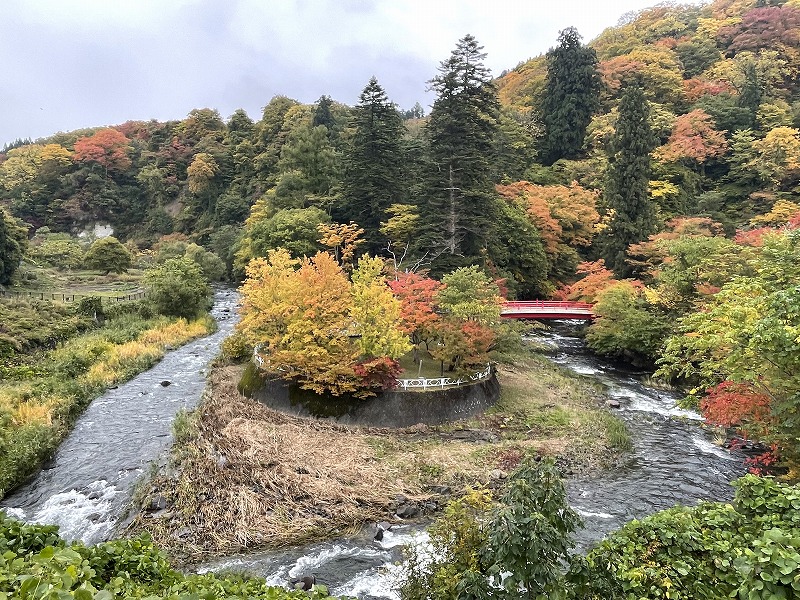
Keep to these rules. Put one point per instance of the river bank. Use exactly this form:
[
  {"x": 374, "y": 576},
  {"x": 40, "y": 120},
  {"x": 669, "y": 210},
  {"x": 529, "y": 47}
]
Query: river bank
[
  {"x": 43, "y": 393},
  {"x": 86, "y": 484},
  {"x": 245, "y": 477}
]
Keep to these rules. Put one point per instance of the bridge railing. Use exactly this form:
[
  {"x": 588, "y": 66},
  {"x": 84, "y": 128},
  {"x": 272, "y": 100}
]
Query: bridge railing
[{"x": 546, "y": 304}]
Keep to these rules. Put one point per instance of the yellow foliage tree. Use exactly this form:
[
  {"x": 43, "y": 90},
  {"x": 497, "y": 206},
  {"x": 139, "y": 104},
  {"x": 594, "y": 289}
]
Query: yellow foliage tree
[
  {"x": 312, "y": 325},
  {"x": 200, "y": 173}
]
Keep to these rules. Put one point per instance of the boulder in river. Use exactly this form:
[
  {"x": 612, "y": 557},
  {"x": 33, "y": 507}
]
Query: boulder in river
[
  {"x": 166, "y": 382},
  {"x": 612, "y": 403},
  {"x": 407, "y": 511}
]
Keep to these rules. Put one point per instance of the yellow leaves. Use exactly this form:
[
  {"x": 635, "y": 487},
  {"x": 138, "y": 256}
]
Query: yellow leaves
[
  {"x": 343, "y": 240},
  {"x": 56, "y": 154},
  {"x": 200, "y": 173},
  {"x": 25, "y": 164},
  {"x": 782, "y": 211},
  {"x": 661, "y": 191},
  {"x": 402, "y": 224},
  {"x": 376, "y": 312},
  {"x": 312, "y": 324},
  {"x": 779, "y": 152}
]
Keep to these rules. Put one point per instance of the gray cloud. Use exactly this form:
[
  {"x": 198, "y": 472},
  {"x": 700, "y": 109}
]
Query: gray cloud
[{"x": 69, "y": 64}]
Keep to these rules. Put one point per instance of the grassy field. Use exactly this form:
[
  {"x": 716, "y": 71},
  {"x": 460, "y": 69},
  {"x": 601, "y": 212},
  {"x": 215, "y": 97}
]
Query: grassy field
[
  {"x": 31, "y": 278},
  {"x": 430, "y": 367}
]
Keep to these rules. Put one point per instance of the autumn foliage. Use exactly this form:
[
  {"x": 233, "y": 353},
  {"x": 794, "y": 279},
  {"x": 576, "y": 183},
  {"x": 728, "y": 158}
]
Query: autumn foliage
[
  {"x": 596, "y": 278},
  {"x": 417, "y": 295},
  {"x": 107, "y": 147},
  {"x": 737, "y": 404},
  {"x": 309, "y": 323},
  {"x": 694, "y": 138}
]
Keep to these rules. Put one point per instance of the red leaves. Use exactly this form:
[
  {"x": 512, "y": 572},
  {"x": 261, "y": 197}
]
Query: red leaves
[
  {"x": 107, "y": 147},
  {"x": 694, "y": 138},
  {"x": 417, "y": 295},
  {"x": 736, "y": 404},
  {"x": 596, "y": 278},
  {"x": 380, "y": 373},
  {"x": 763, "y": 27}
]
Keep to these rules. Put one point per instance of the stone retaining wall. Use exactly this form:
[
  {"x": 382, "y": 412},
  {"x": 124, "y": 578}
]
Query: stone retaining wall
[{"x": 396, "y": 408}]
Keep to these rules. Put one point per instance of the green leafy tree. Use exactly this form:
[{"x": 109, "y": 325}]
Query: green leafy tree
[
  {"x": 530, "y": 533},
  {"x": 626, "y": 325},
  {"x": 295, "y": 229},
  {"x": 469, "y": 295},
  {"x": 177, "y": 288},
  {"x": 571, "y": 96},
  {"x": 309, "y": 169},
  {"x": 108, "y": 254},
  {"x": 517, "y": 253},
  {"x": 322, "y": 114},
  {"x": 746, "y": 549},
  {"x": 55, "y": 249},
  {"x": 13, "y": 241},
  {"x": 512, "y": 551},
  {"x": 626, "y": 191},
  {"x": 747, "y": 334},
  {"x": 462, "y": 128},
  {"x": 373, "y": 177}
]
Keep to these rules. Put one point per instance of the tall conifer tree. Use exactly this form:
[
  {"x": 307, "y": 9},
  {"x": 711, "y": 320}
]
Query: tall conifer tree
[
  {"x": 627, "y": 180},
  {"x": 461, "y": 129},
  {"x": 571, "y": 96},
  {"x": 373, "y": 177}
]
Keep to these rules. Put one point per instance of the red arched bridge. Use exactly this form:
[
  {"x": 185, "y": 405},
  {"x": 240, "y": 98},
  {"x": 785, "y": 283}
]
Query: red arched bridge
[{"x": 546, "y": 309}]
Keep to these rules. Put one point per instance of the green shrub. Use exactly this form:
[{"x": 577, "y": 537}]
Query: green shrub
[
  {"x": 520, "y": 544},
  {"x": 748, "y": 550},
  {"x": 177, "y": 288},
  {"x": 36, "y": 563}
]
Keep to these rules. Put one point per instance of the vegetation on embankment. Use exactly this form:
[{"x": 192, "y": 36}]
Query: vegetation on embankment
[
  {"x": 56, "y": 359},
  {"x": 245, "y": 476},
  {"x": 488, "y": 546},
  {"x": 36, "y": 563}
]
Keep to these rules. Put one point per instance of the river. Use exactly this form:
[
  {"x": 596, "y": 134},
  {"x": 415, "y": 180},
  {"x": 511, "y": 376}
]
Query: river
[{"x": 88, "y": 484}]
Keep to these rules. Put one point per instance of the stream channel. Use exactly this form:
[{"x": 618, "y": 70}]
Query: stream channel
[{"x": 86, "y": 487}]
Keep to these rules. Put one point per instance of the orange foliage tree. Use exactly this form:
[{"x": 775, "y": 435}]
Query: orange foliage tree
[
  {"x": 693, "y": 138},
  {"x": 108, "y": 147},
  {"x": 596, "y": 278},
  {"x": 564, "y": 215},
  {"x": 417, "y": 295}
]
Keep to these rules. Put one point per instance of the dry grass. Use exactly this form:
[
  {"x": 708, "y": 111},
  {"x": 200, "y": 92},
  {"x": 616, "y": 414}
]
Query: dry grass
[
  {"x": 250, "y": 477},
  {"x": 282, "y": 480}
]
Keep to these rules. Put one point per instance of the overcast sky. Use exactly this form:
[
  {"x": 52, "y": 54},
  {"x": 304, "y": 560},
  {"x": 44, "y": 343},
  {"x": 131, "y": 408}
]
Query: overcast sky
[{"x": 68, "y": 64}]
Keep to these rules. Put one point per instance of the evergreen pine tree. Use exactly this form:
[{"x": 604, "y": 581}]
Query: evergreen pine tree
[
  {"x": 627, "y": 181},
  {"x": 373, "y": 177},
  {"x": 322, "y": 113},
  {"x": 571, "y": 96},
  {"x": 462, "y": 128},
  {"x": 13, "y": 241}
]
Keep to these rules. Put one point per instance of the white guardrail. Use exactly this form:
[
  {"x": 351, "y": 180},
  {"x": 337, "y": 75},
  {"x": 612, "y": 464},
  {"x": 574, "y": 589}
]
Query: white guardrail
[
  {"x": 420, "y": 383},
  {"x": 443, "y": 382}
]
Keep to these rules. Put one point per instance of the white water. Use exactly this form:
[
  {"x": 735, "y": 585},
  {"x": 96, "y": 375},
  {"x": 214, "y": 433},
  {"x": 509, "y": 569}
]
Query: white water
[
  {"x": 86, "y": 486},
  {"x": 89, "y": 482}
]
